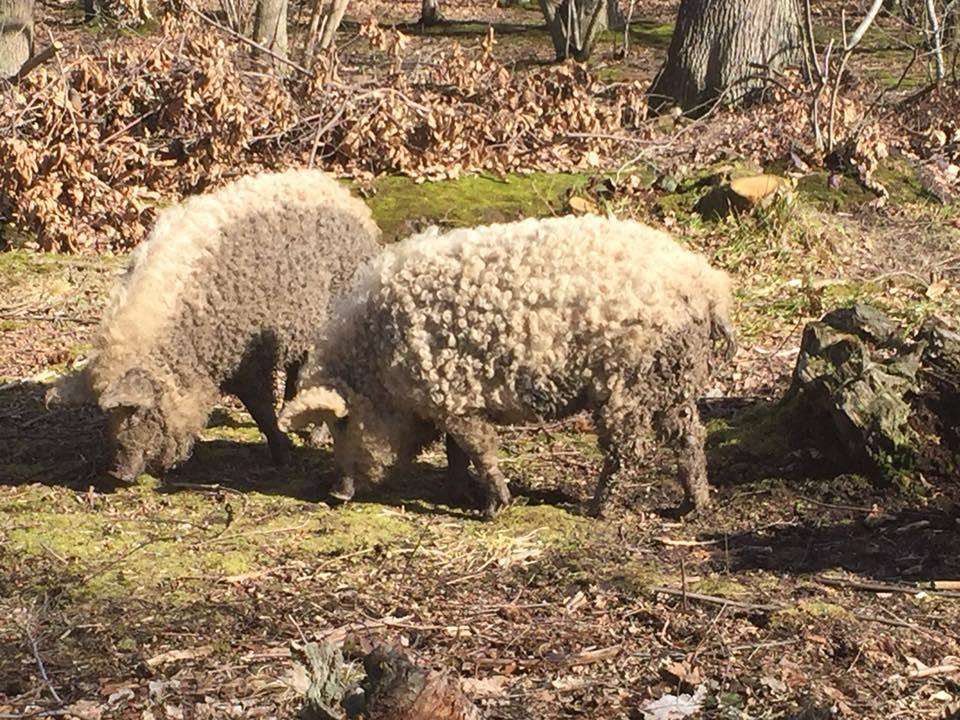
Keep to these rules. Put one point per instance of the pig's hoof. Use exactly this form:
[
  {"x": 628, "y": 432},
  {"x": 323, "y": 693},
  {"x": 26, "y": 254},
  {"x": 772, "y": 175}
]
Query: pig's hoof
[
  {"x": 495, "y": 502},
  {"x": 598, "y": 510},
  {"x": 342, "y": 492},
  {"x": 692, "y": 508},
  {"x": 280, "y": 450}
]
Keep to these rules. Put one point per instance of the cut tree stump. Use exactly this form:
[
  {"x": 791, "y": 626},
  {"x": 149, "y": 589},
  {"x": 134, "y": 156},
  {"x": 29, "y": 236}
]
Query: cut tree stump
[
  {"x": 742, "y": 195},
  {"x": 397, "y": 689},
  {"x": 390, "y": 686}
]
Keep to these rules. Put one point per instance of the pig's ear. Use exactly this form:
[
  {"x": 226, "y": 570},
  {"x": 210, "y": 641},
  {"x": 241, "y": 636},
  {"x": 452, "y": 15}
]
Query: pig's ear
[
  {"x": 135, "y": 389},
  {"x": 72, "y": 389},
  {"x": 319, "y": 403}
]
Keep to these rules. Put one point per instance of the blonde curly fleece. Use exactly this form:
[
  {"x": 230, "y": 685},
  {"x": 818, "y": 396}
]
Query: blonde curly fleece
[
  {"x": 515, "y": 323},
  {"x": 229, "y": 286}
]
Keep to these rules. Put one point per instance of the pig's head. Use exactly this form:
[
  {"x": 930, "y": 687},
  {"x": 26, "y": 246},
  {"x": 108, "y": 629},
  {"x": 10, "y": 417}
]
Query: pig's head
[
  {"x": 369, "y": 439},
  {"x": 139, "y": 434}
]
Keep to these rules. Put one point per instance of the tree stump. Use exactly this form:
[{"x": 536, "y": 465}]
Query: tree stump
[
  {"x": 397, "y": 689},
  {"x": 872, "y": 400},
  {"x": 394, "y": 686}
]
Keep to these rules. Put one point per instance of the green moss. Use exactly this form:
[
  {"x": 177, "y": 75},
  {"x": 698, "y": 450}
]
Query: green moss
[
  {"x": 10, "y": 325},
  {"x": 248, "y": 433},
  {"x": 16, "y": 263},
  {"x": 358, "y": 526},
  {"x": 469, "y": 200},
  {"x": 721, "y": 586},
  {"x": 641, "y": 575},
  {"x": 540, "y": 525},
  {"x": 895, "y": 174},
  {"x": 649, "y": 33},
  {"x": 808, "y": 611},
  {"x": 760, "y": 431}
]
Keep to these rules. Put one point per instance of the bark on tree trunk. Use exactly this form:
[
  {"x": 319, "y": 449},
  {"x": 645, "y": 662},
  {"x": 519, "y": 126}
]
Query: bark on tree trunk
[
  {"x": 615, "y": 17},
  {"x": 270, "y": 25},
  {"x": 716, "y": 45},
  {"x": 324, "y": 22},
  {"x": 575, "y": 25},
  {"x": 16, "y": 35},
  {"x": 331, "y": 23},
  {"x": 430, "y": 12}
]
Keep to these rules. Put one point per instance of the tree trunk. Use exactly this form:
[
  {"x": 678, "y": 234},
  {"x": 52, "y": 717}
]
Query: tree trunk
[
  {"x": 270, "y": 25},
  {"x": 716, "y": 47},
  {"x": 16, "y": 35},
  {"x": 615, "y": 17},
  {"x": 430, "y": 12},
  {"x": 331, "y": 23},
  {"x": 575, "y": 25}
]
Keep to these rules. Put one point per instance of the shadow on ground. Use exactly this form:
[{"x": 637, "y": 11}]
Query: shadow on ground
[
  {"x": 901, "y": 547},
  {"x": 65, "y": 447}
]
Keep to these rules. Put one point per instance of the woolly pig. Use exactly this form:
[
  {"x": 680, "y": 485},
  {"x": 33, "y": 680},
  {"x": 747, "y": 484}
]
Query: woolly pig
[
  {"x": 514, "y": 323},
  {"x": 228, "y": 287}
]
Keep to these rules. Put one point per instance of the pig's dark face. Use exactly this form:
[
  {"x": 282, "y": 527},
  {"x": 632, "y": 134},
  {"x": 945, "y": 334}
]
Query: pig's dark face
[
  {"x": 138, "y": 434},
  {"x": 140, "y": 443}
]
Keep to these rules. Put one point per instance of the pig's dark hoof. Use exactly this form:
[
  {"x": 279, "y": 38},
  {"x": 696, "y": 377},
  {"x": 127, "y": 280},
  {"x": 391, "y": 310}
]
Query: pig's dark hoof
[
  {"x": 692, "y": 508},
  {"x": 280, "y": 450},
  {"x": 342, "y": 492},
  {"x": 494, "y": 503},
  {"x": 598, "y": 509}
]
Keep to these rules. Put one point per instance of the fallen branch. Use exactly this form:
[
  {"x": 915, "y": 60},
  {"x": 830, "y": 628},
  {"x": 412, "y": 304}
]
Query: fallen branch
[
  {"x": 41, "y": 57},
  {"x": 35, "y": 651},
  {"x": 832, "y": 506},
  {"x": 946, "y": 669},
  {"x": 686, "y": 543},
  {"x": 715, "y": 600},
  {"x": 588, "y": 657},
  {"x": 944, "y": 584},
  {"x": 879, "y": 587}
]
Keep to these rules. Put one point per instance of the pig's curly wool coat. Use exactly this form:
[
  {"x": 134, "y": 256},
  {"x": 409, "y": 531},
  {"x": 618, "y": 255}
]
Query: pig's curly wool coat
[
  {"x": 512, "y": 323},
  {"x": 228, "y": 287}
]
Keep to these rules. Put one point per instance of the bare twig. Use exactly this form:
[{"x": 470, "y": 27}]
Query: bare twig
[
  {"x": 936, "y": 40},
  {"x": 849, "y": 45},
  {"x": 864, "y": 26},
  {"x": 810, "y": 43},
  {"x": 880, "y": 587},
  {"x": 945, "y": 669},
  {"x": 832, "y": 506},
  {"x": 626, "y": 28},
  {"x": 683, "y": 582},
  {"x": 35, "y": 651}
]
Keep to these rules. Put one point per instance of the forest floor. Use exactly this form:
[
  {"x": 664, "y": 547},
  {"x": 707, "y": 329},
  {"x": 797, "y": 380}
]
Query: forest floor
[{"x": 797, "y": 595}]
